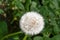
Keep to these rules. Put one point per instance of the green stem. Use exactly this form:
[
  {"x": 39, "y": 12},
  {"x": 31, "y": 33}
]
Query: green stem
[
  {"x": 25, "y": 37},
  {"x": 11, "y": 35}
]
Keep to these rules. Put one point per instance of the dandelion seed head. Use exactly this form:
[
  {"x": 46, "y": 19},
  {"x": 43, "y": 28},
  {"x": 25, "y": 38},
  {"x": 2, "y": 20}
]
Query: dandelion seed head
[{"x": 32, "y": 23}]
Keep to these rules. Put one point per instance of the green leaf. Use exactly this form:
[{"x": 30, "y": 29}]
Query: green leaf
[
  {"x": 28, "y": 2},
  {"x": 3, "y": 29},
  {"x": 18, "y": 13},
  {"x": 29, "y": 38},
  {"x": 1, "y": 11},
  {"x": 23, "y": 1},
  {"x": 38, "y": 38},
  {"x": 33, "y": 6},
  {"x": 55, "y": 27},
  {"x": 54, "y": 4},
  {"x": 46, "y": 32},
  {"x": 51, "y": 3},
  {"x": 0, "y": 2},
  {"x": 46, "y": 38},
  {"x": 57, "y": 37},
  {"x": 18, "y": 4},
  {"x": 45, "y": 2}
]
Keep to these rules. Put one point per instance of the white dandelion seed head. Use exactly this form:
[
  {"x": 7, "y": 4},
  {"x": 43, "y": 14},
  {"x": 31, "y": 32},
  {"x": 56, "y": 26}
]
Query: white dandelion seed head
[{"x": 32, "y": 23}]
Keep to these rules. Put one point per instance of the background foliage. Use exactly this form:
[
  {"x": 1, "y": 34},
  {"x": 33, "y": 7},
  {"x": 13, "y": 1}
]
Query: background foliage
[{"x": 12, "y": 10}]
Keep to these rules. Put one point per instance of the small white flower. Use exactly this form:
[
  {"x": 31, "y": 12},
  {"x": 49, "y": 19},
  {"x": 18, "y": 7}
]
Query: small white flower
[{"x": 32, "y": 23}]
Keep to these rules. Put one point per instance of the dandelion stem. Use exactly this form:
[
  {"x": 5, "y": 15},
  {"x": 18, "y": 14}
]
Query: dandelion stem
[{"x": 25, "y": 37}]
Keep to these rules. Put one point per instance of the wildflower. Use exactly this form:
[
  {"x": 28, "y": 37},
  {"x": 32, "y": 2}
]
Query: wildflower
[{"x": 32, "y": 23}]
